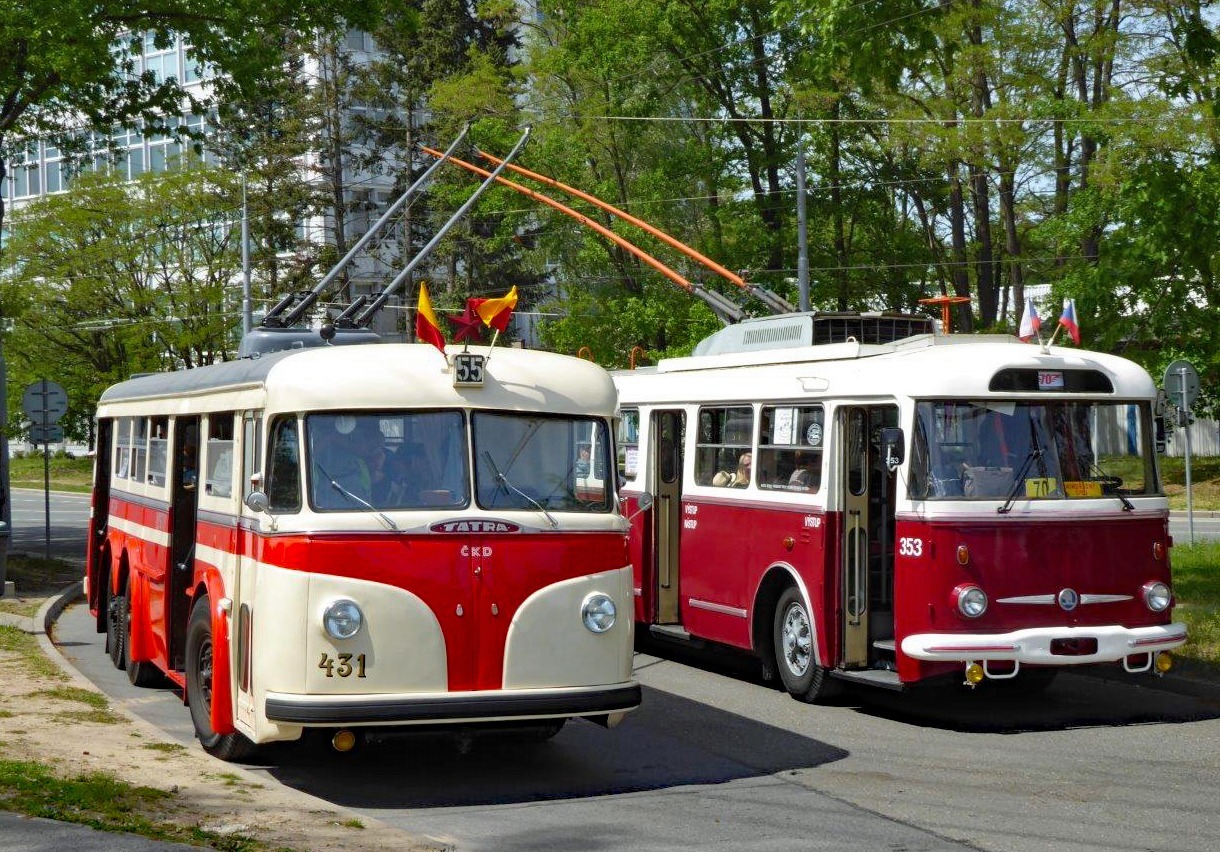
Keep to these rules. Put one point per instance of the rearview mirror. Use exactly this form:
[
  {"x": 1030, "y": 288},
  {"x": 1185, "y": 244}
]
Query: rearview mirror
[{"x": 893, "y": 446}]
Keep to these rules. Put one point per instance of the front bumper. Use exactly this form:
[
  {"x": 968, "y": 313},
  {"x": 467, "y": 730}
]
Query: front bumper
[
  {"x": 1033, "y": 646},
  {"x": 431, "y": 708}
]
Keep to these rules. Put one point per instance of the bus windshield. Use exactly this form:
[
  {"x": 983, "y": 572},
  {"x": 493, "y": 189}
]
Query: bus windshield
[
  {"x": 556, "y": 464},
  {"x": 995, "y": 449}
]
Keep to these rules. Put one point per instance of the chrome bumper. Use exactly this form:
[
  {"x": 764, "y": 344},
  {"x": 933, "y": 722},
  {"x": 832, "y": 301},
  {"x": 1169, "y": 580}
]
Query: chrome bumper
[
  {"x": 1032, "y": 646},
  {"x": 431, "y": 708}
]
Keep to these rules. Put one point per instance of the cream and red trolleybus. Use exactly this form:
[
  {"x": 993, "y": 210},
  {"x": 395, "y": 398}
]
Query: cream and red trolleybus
[
  {"x": 359, "y": 538},
  {"x": 858, "y": 498}
]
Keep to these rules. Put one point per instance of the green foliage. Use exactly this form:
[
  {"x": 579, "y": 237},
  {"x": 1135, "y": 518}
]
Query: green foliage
[
  {"x": 113, "y": 279},
  {"x": 1196, "y": 585}
]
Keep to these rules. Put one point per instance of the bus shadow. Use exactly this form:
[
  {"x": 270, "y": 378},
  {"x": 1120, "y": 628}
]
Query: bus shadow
[
  {"x": 1092, "y": 697},
  {"x": 668, "y": 742},
  {"x": 1072, "y": 701}
]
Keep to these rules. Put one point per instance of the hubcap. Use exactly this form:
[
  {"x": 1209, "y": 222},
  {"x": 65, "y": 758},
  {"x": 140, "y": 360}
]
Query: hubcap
[
  {"x": 798, "y": 643},
  {"x": 205, "y": 673}
]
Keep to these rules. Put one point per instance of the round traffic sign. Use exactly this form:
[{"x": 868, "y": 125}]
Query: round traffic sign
[
  {"x": 44, "y": 401},
  {"x": 1181, "y": 384}
]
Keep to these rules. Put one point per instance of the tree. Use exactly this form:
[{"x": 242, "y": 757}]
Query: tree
[
  {"x": 114, "y": 279},
  {"x": 71, "y": 65}
]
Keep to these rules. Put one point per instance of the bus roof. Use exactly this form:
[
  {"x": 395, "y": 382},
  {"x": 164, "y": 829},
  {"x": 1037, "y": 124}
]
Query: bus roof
[
  {"x": 924, "y": 366},
  {"x": 374, "y": 376}
]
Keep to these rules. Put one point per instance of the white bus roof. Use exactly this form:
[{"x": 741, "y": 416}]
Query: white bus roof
[
  {"x": 925, "y": 366},
  {"x": 373, "y": 376}
]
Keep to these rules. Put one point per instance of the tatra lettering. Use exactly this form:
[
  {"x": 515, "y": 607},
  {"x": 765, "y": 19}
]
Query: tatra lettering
[{"x": 475, "y": 526}]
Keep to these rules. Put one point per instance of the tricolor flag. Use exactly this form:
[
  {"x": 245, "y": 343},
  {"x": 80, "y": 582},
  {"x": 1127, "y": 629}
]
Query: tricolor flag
[
  {"x": 1068, "y": 320},
  {"x": 1030, "y": 321},
  {"x": 496, "y": 312},
  {"x": 427, "y": 329}
]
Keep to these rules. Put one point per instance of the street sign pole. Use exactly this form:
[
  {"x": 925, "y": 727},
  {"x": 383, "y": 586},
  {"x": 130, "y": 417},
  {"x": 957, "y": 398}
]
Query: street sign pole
[
  {"x": 44, "y": 403},
  {"x": 1190, "y": 506},
  {"x": 1181, "y": 384},
  {"x": 46, "y": 475}
]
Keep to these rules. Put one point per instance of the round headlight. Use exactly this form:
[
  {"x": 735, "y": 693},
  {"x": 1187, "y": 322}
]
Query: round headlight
[
  {"x": 598, "y": 613},
  {"x": 971, "y": 601},
  {"x": 1157, "y": 596},
  {"x": 342, "y": 619}
]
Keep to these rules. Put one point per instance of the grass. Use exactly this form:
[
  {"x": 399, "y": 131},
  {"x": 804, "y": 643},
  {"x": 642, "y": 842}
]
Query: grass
[
  {"x": 66, "y": 474},
  {"x": 100, "y": 801},
  {"x": 1196, "y": 586},
  {"x": 36, "y": 663},
  {"x": 1204, "y": 482}
]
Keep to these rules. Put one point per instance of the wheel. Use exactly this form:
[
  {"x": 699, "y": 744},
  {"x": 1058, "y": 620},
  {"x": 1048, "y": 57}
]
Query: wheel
[
  {"x": 232, "y": 746},
  {"x": 116, "y": 630},
  {"x": 804, "y": 679},
  {"x": 143, "y": 673}
]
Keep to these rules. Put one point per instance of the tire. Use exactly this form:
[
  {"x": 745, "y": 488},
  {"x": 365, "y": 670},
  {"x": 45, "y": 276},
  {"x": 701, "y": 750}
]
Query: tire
[
  {"x": 143, "y": 673},
  {"x": 229, "y": 747},
  {"x": 803, "y": 678},
  {"x": 116, "y": 630}
]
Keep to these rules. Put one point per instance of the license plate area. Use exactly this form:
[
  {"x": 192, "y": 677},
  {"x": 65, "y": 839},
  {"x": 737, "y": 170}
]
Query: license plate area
[{"x": 1081, "y": 646}]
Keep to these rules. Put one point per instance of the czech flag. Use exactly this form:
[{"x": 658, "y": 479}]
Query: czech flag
[
  {"x": 1068, "y": 320},
  {"x": 427, "y": 329},
  {"x": 495, "y": 313},
  {"x": 1030, "y": 321}
]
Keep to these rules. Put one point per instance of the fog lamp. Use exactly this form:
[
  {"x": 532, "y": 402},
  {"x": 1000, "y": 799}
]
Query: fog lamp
[
  {"x": 974, "y": 673},
  {"x": 1163, "y": 661}
]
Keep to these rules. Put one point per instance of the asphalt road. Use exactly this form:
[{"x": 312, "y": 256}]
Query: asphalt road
[
  {"x": 68, "y": 529},
  {"x": 716, "y": 760}
]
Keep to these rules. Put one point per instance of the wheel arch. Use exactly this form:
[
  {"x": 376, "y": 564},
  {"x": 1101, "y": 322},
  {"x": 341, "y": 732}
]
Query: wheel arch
[
  {"x": 774, "y": 582},
  {"x": 211, "y": 585}
]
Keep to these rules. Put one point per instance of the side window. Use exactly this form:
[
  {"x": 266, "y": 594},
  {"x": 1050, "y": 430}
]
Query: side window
[
  {"x": 629, "y": 443},
  {"x": 722, "y": 454},
  {"x": 251, "y": 443},
  {"x": 139, "y": 448},
  {"x": 790, "y": 448},
  {"x": 218, "y": 462},
  {"x": 158, "y": 451},
  {"x": 284, "y": 468},
  {"x": 122, "y": 448}
]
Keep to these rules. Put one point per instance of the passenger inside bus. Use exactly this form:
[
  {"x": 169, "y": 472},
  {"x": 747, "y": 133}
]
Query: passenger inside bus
[
  {"x": 805, "y": 475},
  {"x": 739, "y": 478}
]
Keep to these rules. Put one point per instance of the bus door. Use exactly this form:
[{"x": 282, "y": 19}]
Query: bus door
[
  {"x": 867, "y": 498},
  {"x": 99, "y": 523},
  {"x": 183, "y": 502},
  {"x": 668, "y": 428}
]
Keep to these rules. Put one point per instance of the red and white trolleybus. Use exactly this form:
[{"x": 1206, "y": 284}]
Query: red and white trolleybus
[
  {"x": 855, "y": 497},
  {"x": 355, "y": 538}
]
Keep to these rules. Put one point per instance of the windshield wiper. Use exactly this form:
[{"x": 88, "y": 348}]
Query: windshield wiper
[
  {"x": 1111, "y": 484},
  {"x": 503, "y": 480},
  {"x": 385, "y": 519},
  {"x": 1018, "y": 481}
]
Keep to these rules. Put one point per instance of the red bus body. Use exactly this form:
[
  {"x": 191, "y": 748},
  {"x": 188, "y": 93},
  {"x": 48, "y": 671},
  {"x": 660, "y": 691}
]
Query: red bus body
[
  {"x": 873, "y": 575},
  {"x": 488, "y": 596}
]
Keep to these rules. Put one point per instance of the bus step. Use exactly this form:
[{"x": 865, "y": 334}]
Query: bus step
[
  {"x": 669, "y": 631},
  {"x": 884, "y": 645},
  {"x": 870, "y": 677}
]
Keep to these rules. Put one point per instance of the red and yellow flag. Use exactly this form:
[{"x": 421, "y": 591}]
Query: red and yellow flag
[
  {"x": 427, "y": 329},
  {"x": 495, "y": 313}
]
